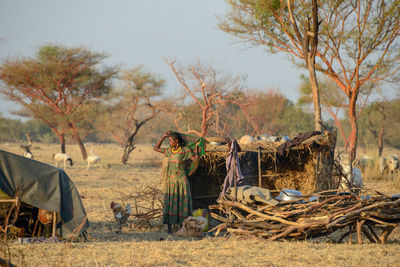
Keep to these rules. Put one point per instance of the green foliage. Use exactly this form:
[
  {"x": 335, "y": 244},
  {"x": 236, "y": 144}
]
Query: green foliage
[
  {"x": 331, "y": 96},
  {"x": 267, "y": 23},
  {"x": 140, "y": 84},
  {"x": 264, "y": 10},
  {"x": 14, "y": 130},
  {"x": 295, "y": 120},
  {"x": 11, "y": 130},
  {"x": 39, "y": 131},
  {"x": 391, "y": 122}
]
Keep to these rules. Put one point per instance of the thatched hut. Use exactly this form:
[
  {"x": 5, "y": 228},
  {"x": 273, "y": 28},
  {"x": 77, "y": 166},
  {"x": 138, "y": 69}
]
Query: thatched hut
[{"x": 306, "y": 165}]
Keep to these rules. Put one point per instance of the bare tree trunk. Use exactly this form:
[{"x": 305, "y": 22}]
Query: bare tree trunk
[
  {"x": 324, "y": 167},
  {"x": 62, "y": 141},
  {"x": 309, "y": 41},
  {"x": 129, "y": 145},
  {"x": 311, "y": 66},
  {"x": 78, "y": 140},
  {"x": 354, "y": 130},
  {"x": 380, "y": 146},
  {"x": 128, "y": 148},
  {"x": 315, "y": 94},
  {"x": 60, "y": 137}
]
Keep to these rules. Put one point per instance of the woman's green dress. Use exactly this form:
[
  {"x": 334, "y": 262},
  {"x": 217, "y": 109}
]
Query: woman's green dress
[{"x": 177, "y": 196}]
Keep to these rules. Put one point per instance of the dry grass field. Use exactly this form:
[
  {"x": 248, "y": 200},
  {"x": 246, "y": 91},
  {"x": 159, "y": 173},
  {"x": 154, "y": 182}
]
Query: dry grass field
[{"x": 113, "y": 181}]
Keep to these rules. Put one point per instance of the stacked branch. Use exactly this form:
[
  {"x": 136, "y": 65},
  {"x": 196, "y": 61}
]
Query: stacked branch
[
  {"x": 147, "y": 206},
  {"x": 375, "y": 218}
]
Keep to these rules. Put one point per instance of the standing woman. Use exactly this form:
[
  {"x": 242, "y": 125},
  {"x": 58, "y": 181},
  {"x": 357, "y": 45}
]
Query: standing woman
[{"x": 177, "y": 197}]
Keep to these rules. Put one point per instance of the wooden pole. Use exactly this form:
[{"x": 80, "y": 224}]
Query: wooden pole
[
  {"x": 234, "y": 177},
  {"x": 54, "y": 223},
  {"x": 259, "y": 166},
  {"x": 359, "y": 231}
]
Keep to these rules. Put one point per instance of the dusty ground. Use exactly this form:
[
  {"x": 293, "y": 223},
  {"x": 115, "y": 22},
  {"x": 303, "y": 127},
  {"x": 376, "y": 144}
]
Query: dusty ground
[{"x": 112, "y": 181}]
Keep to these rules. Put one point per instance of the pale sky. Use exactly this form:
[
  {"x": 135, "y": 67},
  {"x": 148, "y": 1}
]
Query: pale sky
[{"x": 142, "y": 32}]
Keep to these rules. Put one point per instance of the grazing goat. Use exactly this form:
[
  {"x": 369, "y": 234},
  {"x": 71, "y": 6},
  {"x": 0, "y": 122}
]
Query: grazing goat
[
  {"x": 28, "y": 155},
  {"x": 389, "y": 164},
  {"x": 62, "y": 157},
  {"x": 92, "y": 159}
]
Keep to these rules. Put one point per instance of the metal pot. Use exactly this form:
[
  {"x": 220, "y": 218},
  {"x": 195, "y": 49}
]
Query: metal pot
[
  {"x": 216, "y": 143},
  {"x": 289, "y": 194},
  {"x": 264, "y": 137}
]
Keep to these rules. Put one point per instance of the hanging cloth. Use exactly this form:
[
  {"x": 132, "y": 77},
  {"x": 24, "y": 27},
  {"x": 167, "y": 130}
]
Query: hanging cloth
[
  {"x": 232, "y": 169},
  {"x": 192, "y": 141},
  {"x": 196, "y": 144}
]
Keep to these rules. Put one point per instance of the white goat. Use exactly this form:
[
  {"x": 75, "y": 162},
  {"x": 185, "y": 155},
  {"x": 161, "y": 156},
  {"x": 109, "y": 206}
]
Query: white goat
[
  {"x": 62, "y": 157},
  {"x": 354, "y": 178},
  {"x": 92, "y": 159},
  {"x": 28, "y": 155}
]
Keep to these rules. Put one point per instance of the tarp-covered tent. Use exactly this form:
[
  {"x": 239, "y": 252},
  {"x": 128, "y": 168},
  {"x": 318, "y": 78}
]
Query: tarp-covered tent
[{"x": 46, "y": 187}]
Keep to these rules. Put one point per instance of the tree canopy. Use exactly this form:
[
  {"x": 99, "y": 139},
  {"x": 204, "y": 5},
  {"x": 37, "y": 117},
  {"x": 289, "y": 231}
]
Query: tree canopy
[
  {"x": 280, "y": 26},
  {"x": 357, "y": 40},
  {"x": 58, "y": 86},
  {"x": 133, "y": 103}
]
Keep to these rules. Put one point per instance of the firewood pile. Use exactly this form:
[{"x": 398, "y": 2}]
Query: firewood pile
[
  {"x": 147, "y": 206},
  {"x": 373, "y": 217}
]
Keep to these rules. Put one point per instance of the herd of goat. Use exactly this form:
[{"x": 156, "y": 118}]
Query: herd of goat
[
  {"x": 63, "y": 158},
  {"x": 386, "y": 165}
]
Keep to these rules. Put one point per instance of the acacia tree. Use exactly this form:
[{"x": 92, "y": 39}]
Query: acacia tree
[
  {"x": 59, "y": 86},
  {"x": 357, "y": 44},
  {"x": 360, "y": 47},
  {"x": 282, "y": 26},
  {"x": 133, "y": 105},
  {"x": 210, "y": 91},
  {"x": 333, "y": 100}
]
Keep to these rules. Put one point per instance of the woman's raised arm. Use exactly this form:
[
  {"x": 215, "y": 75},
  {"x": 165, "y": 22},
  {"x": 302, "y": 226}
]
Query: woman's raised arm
[{"x": 157, "y": 146}]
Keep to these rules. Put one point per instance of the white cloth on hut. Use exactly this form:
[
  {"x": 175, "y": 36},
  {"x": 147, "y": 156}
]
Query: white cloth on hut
[
  {"x": 232, "y": 169},
  {"x": 248, "y": 194}
]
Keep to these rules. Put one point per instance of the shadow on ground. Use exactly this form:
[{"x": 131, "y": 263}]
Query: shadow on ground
[{"x": 105, "y": 231}]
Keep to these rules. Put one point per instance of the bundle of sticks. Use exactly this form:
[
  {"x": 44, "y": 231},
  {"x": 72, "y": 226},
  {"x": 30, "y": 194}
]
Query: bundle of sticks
[
  {"x": 147, "y": 205},
  {"x": 374, "y": 217}
]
